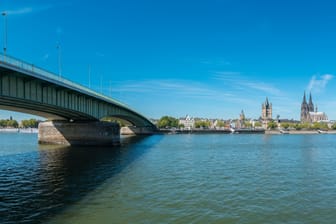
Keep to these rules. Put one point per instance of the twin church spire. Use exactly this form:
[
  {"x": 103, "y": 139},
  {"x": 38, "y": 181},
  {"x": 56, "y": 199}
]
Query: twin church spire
[{"x": 306, "y": 108}]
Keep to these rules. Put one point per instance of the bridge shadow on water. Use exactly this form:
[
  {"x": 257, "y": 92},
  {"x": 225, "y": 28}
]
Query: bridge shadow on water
[{"x": 58, "y": 177}]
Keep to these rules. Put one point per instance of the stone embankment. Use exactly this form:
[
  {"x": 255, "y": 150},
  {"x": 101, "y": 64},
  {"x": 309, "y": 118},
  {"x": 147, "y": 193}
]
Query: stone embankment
[{"x": 279, "y": 132}]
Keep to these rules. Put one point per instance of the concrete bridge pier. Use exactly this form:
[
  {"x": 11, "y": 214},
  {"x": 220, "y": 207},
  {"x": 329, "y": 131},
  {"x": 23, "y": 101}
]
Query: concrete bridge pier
[
  {"x": 79, "y": 133},
  {"x": 133, "y": 130}
]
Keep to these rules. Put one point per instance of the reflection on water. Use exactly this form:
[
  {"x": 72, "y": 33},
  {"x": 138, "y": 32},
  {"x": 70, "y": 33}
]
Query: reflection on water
[
  {"x": 171, "y": 179},
  {"x": 38, "y": 183}
]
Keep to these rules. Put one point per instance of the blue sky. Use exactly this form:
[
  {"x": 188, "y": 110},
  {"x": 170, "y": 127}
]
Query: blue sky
[{"x": 208, "y": 58}]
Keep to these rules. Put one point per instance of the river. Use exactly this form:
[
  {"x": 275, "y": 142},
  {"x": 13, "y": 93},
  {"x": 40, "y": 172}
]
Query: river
[{"x": 170, "y": 179}]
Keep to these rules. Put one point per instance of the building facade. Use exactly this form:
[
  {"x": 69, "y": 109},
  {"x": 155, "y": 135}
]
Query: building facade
[
  {"x": 308, "y": 114},
  {"x": 306, "y": 108},
  {"x": 188, "y": 122},
  {"x": 241, "y": 122},
  {"x": 318, "y": 116},
  {"x": 266, "y": 110}
]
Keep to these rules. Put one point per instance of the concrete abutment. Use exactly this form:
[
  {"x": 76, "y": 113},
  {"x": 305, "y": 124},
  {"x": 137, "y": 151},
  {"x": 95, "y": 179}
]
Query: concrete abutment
[
  {"x": 79, "y": 133},
  {"x": 133, "y": 130}
]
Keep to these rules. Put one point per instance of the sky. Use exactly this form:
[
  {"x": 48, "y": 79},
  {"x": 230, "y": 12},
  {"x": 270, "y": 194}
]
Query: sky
[{"x": 210, "y": 58}]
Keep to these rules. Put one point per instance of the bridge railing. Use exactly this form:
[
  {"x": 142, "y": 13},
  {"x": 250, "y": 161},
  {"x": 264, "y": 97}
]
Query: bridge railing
[{"x": 44, "y": 74}]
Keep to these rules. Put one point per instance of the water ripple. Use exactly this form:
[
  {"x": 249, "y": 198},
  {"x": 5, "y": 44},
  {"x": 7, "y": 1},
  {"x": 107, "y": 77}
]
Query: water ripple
[{"x": 174, "y": 179}]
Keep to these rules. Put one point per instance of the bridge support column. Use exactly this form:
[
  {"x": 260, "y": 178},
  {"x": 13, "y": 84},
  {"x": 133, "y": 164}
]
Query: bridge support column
[
  {"x": 83, "y": 133},
  {"x": 132, "y": 130}
]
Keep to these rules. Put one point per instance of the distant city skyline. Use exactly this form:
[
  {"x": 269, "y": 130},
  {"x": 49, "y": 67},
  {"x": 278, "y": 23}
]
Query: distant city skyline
[{"x": 206, "y": 58}]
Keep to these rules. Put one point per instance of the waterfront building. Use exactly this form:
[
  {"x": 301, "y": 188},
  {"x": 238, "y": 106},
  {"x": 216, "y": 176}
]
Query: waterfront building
[
  {"x": 213, "y": 124},
  {"x": 241, "y": 121},
  {"x": 317, "y": 116},
  {"x": 242, "y": 116},
  {"x": 266, "y": 110},
  {"x": 188, "y": 122},
  {"x": 307, "y": 111}
]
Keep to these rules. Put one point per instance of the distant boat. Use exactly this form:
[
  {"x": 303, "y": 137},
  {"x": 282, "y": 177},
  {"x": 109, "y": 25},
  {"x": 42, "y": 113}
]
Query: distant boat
[
  {"x": 322, "y": 132},
  {"x": 284, "y": 131}
]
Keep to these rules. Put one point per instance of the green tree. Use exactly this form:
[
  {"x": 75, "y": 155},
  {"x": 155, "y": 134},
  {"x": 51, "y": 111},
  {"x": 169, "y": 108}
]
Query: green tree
[
  {"x": 318, "y": 125},
  {"x": 271, "y": 125},
  {"x": 202, "y": 124},
  {"x": 285, "y": 125},
  {"x": 298, "y": 126},
  {"x": 333, "y": 126},
  {"x": 3, "y": 123},
  {"x": 220, "y": 124},
  {"x": 31, "y": 123},
  {"x": 257, "y": 124},
  {"x": 168, "y": 122},
  {"x": 181, "y": 125},
  {"x": 247, "y": 124},
  {"x": 305, "y": 125},
  {"x": 121, "y": 122},
  {"x": 12, "y": 123}
]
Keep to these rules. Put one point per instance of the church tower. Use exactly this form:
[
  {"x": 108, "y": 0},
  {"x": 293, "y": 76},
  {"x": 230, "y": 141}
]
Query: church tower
[
  {"x": 310, "y": 105},
  {"x": 266, "y": 110},
  {"x": 305, "y": 108}
]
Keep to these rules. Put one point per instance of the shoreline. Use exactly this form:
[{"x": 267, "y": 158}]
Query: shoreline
[
  {"x": 298, "y": 132},
  {"x": 204, "y": 131},
  {"x": 18, "y": 130},
  {"x": 247, "y": 131}
]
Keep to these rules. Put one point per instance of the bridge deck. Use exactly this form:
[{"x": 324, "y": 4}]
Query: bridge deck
[{"x": 27, "y": 88}]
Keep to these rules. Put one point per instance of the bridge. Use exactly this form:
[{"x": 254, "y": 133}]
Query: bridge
[{"x": 73, "y": 112}]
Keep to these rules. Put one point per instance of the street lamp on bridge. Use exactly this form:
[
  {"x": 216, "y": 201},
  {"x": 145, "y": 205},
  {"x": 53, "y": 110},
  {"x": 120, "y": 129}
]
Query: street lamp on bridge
[
  {"x": 58, "y": 46},
  {"x": 4, "y": 14}
]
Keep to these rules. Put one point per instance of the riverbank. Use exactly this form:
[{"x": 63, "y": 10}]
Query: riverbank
[
  {"x": 296, "y": 132},
  {"x": 211, "y": 131},
  {"x": 201, "y": 131},
  {"x": 19, "y": 130},
  {"x": 244, "y": 131}
]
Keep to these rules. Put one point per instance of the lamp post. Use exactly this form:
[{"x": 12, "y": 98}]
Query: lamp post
[
  {"x": 110, "y": 89},
  {"x": 59, "y": 59},
  {"x": 4, "y": 14},
  {"x": 89, "y": 76},
  {"x": 101, "y": 84}
]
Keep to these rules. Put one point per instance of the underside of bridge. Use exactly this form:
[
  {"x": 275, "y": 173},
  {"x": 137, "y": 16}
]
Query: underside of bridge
[{"x": 72, "y": 111}]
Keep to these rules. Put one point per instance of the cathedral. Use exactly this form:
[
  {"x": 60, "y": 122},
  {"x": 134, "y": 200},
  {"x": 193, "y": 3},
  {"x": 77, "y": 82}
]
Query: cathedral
[{"x": 307, "y": 111}]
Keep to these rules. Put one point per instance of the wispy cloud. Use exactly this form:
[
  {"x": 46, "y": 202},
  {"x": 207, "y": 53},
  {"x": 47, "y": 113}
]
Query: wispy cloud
[
  {"x": 238, "y": 81},
  {"x": 220, "y": 62},
  {"x": 191, "y": 94},
  {"x": 100, "y": 54},
  {"x": 27, "y": 10},
  {"x": 45, "y": 57},
  {"x": 182, "y": 88},
  {"x": 226, "y": 74},
  {"x": 20, "y": 11},
  {"x": 318, "y": 84},
  {"x": 261, "y": 86},
  {"x": 188, "y": 91},
  {"x": 59, "y": 31}
]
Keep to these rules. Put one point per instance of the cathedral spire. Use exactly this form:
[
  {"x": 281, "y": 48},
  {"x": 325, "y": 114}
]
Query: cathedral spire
[
  {"x": 310, "y": 105},
  {"x": 310, "y": 99},
  {"x": 304, "y": 97},
  {"x": 267, "y": 103}
]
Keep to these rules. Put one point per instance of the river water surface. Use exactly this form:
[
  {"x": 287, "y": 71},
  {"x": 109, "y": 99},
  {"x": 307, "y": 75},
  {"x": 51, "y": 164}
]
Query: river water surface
[{"x": 171, "y": 179}]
